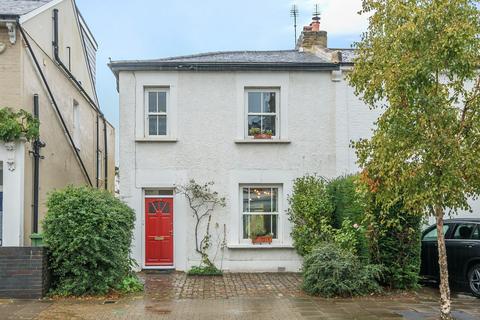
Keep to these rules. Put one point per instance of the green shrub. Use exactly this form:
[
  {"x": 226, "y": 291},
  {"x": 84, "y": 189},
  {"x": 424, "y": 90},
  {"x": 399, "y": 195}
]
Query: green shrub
[
  {"x": 88, "y": 233},
  {"x": 394, "y": 238},
  {"x": 350, "y": 237},
  {"x": 333, "y": 211},
  {"x": 349, "y": 211},
  {"x": 310, "y": 211},
  {"x": 331, "y": 271},
  {"x": 14, "y": 125},
  {"x": 204, "y": 271},
  {"x": 130, "y": 284},
  {"x": 347, "y": 201}
]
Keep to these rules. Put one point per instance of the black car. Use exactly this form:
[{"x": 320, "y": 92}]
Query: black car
[{"x": 462, "y": 239}]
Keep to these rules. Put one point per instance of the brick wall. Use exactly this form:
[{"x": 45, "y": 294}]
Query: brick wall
[{"x": 23, "y": 272}]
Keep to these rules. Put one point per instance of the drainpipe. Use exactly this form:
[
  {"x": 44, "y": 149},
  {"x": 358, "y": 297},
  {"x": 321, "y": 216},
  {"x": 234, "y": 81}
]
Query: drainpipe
[
  {"x": 37, "y": 144},
  {"x": 105, "y": 152},
  {"x": 98, "y": 149}
]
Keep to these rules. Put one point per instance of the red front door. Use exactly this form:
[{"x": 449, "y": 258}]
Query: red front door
[{"x": 158, "y": 231}]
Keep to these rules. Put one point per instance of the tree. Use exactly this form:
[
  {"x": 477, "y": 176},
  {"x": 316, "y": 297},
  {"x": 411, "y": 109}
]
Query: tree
[
  {"x": 418, "y": 61},
  {"x": 203, "y": 201}
]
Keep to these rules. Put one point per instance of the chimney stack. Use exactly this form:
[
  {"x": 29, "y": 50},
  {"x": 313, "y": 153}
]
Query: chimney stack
[{"x": 312, "y": 37}]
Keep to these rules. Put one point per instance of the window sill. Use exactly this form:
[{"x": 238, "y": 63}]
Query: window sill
[
  {"x": 259, "y": 246},
  {"x": 156, "y": 140},
  {"x": 260, "y": 141}
]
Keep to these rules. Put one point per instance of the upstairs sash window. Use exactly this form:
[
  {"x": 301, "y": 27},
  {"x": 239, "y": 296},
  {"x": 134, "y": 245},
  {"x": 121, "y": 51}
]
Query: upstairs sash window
[
  {"x": 262, "y": 107},
  {"x": 156, "y": 112}
]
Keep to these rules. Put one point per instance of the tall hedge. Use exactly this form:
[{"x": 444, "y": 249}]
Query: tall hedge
[
  {"x": 394, "y": 240},
  {"x": 88, "y": 233},
  {"x": 310, "y": 210},
  {"x": 349, "y": 206},
  {"x": 346, "y": 200}
]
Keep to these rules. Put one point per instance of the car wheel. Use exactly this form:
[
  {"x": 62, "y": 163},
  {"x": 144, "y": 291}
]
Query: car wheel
[{"x": 474, "y": 280}]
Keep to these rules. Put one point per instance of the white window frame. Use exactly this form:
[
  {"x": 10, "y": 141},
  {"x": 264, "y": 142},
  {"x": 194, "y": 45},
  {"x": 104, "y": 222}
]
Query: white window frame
[
  {"x": 276, "y": 113},
  {"x": 147, "y": 113},
  {"x": 279, "y": 188}
]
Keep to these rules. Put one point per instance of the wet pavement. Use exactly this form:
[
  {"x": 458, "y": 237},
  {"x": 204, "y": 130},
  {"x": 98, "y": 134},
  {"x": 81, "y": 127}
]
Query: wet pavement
[{"x": 237, "y": 296}]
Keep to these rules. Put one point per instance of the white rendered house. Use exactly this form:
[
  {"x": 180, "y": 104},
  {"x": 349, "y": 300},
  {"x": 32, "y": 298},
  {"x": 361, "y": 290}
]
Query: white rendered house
[{"x": 190, "y": 117}]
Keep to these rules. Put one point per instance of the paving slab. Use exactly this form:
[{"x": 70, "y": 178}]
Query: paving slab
[{"x": 240, "y": 297}]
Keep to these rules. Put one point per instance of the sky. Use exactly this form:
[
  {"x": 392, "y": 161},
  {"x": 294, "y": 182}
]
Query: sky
[{"x": 149, "y": 29}]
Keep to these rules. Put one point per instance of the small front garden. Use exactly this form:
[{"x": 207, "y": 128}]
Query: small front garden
[{"x": 351, "y": 243}]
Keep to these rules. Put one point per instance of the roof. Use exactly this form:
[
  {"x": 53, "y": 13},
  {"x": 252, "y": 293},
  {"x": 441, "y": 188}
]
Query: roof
[
  {"x": 20, "y": 7},
  {"x": 286, "y": 56},
  {"x": 347, "y": 55},
  {"x": 279, "y": 60}
]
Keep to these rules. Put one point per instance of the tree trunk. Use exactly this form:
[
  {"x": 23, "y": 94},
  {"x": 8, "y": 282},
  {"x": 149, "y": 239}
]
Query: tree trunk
[{"x": 445, "y": 302}]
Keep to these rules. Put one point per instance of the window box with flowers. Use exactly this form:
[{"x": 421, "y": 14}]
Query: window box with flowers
[{"x": 257, "y": 133}]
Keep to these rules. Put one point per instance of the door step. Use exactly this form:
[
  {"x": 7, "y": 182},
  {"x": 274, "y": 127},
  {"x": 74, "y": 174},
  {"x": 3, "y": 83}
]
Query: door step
[{"x": 158, "y": 271}]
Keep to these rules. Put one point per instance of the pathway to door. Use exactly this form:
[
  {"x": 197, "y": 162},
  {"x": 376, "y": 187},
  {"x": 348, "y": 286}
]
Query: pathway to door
[{"x": 238, "y": 296}]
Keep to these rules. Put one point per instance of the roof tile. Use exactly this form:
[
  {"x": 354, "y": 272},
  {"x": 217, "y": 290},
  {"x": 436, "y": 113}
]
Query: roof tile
[{"x": 20, "y": 7}]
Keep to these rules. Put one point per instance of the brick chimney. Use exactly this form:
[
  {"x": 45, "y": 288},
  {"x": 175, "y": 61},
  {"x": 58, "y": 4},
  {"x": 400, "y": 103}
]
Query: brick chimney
[{"x": 312, "y": 37}]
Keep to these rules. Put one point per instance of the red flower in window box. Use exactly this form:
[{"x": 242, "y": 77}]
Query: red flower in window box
[{"x": 262, "y": 239}]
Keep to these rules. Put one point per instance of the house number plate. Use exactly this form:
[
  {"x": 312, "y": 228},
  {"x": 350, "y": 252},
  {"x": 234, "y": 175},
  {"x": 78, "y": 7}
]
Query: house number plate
[{"x": 159, "y": 238}]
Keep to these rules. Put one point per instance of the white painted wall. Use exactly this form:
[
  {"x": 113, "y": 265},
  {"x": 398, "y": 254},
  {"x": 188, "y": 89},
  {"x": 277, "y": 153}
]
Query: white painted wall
[
  {"x": 12, "y": 159},
  {"x": 319, "y": 117},
  {"x": 207, "y": 121}
]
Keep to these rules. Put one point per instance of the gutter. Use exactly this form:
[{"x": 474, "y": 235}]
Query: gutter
[
  {"x": 9, "y": 17},
  {"x": 209, "y": 66},
  {"x": 117, "y": 66}
]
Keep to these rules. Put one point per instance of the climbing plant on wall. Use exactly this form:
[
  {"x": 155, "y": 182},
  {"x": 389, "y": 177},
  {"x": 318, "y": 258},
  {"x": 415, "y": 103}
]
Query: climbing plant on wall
[
  {"x": 15, "y": 125},
  {"x": 202, "y": 200}
]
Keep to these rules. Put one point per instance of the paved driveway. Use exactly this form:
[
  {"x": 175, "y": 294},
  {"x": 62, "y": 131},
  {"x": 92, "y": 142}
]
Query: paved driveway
[{"x": 237, "y": 296}]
